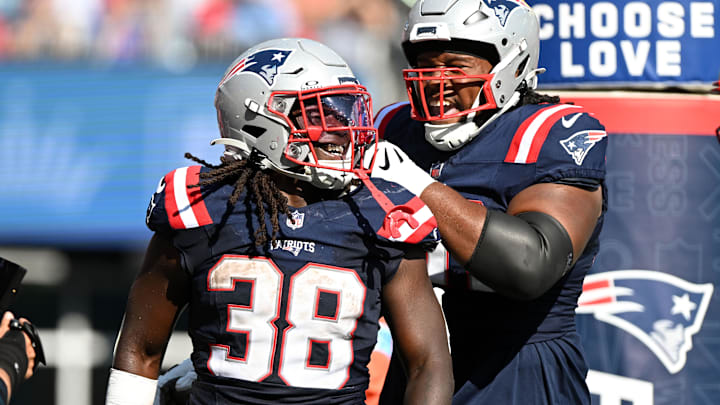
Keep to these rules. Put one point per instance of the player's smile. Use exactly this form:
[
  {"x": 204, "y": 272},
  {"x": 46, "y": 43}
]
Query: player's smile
[
  {"x": 458, "y": 91},
  {"x": 448, "y": 103},
  {"x": 332, "y": 146}
]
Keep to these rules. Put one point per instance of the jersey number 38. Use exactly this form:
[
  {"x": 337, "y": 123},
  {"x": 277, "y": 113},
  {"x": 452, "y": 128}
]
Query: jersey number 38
[{"x": 308, "y": 329}]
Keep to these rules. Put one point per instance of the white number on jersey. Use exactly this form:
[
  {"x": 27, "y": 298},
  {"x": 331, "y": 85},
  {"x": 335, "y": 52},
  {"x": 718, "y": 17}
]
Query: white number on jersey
[{"x": 307, "y": 327}]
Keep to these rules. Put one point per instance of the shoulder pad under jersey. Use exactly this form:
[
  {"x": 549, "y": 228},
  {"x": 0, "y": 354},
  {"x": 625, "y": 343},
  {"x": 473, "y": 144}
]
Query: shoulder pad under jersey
[
  {"x": 175, "y": 205},
  {"x": 397, "y": 111},
  {"x": 563, "y": 140}
]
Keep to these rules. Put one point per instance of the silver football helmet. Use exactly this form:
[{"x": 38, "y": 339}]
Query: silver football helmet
[
  {"x": 505, "y": 32},
  {"x": 294, "y": 106}
]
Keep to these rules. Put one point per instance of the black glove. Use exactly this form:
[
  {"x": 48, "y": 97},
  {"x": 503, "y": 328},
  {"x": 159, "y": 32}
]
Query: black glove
[
  {"x": 30, "y": 330},
  {"x": 13, "y": 358}
]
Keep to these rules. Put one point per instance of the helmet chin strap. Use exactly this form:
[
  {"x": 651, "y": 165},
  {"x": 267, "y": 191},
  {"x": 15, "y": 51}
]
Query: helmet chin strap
[
  {"x": 317, "y": 176},
  {"x": 447, "y": 137},
  {"x": 327, "y": 178}
]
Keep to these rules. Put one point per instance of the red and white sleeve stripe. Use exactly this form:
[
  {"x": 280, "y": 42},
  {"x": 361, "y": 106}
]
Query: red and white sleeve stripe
[
  {"x": 385, "y": 115},
  {"x": 185, "y": 206},
  {"x": 531, "y": 135}
]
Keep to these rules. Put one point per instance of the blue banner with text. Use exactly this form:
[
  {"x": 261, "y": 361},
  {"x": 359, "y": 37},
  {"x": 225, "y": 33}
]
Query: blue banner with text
[{"x": 624, "y": 42}]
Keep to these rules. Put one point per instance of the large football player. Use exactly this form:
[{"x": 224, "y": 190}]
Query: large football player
[
  {"x": 285, "y": 259},
  {"x": 519, "y": 197}
]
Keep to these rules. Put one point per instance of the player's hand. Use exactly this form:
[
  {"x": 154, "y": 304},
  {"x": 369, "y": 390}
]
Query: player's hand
[
  {"x": 392, "y": 164},
  {"x": 5, "y": 323},
  {"x": 174, "y": 385},
  {"x": 29, "y": 351}
]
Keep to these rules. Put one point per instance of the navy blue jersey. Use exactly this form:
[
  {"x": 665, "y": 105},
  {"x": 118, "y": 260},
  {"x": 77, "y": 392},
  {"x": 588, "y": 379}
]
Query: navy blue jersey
[
  {"x": 294, "y": 322},
  {"x": 504, "y": 349}
]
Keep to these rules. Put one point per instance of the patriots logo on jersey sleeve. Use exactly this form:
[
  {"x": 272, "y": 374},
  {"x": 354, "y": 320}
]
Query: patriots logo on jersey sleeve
[
  {"x": 579, "y": 144},
  {"x": 263, "y": 63},
  {"x": 659, "y": 309}
]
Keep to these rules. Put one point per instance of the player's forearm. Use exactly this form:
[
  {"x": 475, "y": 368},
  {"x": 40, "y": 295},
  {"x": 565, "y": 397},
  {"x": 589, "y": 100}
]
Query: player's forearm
[
  {"x": 134, "y": 373},
  {"x": 140, "y": 360},
  {"x": 518, "y": 256},
  {"x": 156, "y": 299},
  {"x": 431, "y": 384},
  {"x": 460, "y": 221}
]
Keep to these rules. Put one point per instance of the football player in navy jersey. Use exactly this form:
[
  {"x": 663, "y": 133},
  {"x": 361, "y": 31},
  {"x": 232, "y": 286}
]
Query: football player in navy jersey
[
  {"x": 516, "y": 182},
  {"x": 286, "y": 254}
]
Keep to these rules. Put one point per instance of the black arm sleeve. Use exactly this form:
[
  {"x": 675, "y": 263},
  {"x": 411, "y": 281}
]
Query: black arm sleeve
[{"x": 521, "y": 256}]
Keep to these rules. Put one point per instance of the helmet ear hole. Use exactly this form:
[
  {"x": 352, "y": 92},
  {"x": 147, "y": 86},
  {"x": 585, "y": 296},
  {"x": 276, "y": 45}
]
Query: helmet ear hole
[
  {"x": 253, "y": 130},
  {"x": 521, "y": 67}
]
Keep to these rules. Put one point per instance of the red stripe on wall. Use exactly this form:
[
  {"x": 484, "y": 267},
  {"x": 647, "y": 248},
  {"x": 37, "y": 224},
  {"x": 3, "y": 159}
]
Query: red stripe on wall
[{"x": 646, "y": 113}]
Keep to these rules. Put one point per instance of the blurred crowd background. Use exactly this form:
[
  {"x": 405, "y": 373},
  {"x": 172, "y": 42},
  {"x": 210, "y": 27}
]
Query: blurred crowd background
[
  {"x": 100, "y": 98},
  {"x": 180, "y": 34}
]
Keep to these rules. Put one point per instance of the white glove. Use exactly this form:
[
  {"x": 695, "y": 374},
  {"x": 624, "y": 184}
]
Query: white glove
[
  {"x": 392, "y": 164},
  {"x": 174, "y": 385}
]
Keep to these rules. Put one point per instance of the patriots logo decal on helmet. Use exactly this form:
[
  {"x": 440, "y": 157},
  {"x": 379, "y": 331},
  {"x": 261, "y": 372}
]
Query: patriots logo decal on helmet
[
  {"x": 263, "y": 63},
  {"x": 659, "y": 309},
  {"x": 502, "y": 8},
  {"x": 579, "y": 144}
]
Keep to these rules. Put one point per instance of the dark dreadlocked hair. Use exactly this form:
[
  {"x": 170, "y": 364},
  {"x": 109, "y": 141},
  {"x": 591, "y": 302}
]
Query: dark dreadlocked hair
[
  {"x": 245, "y": 173},
  {"x": 533, "y": 97},
  {"x": 527, "y": 97},
  {"x": 530, "y": 96}
]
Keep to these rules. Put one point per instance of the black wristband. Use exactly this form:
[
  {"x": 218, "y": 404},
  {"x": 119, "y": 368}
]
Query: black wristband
[{"x": 13, "y": 358}]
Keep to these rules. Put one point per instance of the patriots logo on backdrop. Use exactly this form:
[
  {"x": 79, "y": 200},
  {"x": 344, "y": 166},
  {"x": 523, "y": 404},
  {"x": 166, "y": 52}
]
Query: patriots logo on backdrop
[
  {"x": 659, "y": 309},
  {"x": 502, "y": 8},
  {"x": 579, "y": 144},
  {"x": 264, "y": 63},
  {"x": 296, "y": 220}
]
